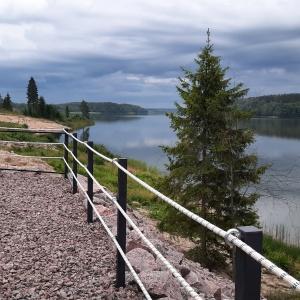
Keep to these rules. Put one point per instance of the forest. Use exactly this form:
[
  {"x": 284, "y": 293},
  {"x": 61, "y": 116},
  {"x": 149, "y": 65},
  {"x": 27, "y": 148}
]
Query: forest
[{"x": 281, "y": 106}]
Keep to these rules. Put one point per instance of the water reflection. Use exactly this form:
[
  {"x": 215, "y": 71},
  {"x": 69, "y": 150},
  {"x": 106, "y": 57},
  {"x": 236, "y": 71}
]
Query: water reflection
[
  {"x": 286, "y": 128},
  {"x": 114, "y": 118}
]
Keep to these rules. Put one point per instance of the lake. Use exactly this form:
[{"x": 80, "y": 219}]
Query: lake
[{"x": 277, "y": 142}]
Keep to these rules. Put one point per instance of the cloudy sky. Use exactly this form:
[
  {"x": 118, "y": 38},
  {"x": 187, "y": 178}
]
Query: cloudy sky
[{"x": 131, "y": 50}]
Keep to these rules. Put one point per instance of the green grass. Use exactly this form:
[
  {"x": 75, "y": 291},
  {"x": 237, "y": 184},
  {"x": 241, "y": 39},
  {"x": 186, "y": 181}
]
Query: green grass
[
  {"x": 12, "y": 125},
  {"x": 283, "y": 296},
  {"x": 285, "y": 256}
]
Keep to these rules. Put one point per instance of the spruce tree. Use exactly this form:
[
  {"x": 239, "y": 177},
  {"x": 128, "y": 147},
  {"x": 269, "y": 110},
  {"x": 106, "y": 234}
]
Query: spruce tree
[
  {"x": 209, "y": 168},
  {"x": 7, "y": 104},
  {"x": 32, "y": 97}
]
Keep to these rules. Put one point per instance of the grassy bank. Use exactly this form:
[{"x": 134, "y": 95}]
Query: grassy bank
[{"x": 76, "y": 122}]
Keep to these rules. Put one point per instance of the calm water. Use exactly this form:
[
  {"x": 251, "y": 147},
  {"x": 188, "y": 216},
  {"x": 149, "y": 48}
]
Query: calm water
[{"x": 277, "y": 143}]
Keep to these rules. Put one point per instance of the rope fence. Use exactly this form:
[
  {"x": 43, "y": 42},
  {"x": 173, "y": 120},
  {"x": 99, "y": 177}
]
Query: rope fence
[
  {"x": 242, "y": 243},
  {"x": 229, "y": 237},
  {"x": 136, "y": 277},
  {"x": 175, "y": 273}
]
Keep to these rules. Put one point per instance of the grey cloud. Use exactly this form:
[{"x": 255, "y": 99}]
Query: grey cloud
[{"x": 131, "y": 51}]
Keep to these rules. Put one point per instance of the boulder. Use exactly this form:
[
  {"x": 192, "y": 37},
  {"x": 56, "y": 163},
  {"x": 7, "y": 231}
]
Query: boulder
[
  {"x": 161, "y": 284},
  {"x": 174, "y": 257},
  {"x": 141, "y": 260}
]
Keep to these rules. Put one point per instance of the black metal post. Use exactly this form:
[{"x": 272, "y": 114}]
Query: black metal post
[
  {"x": 247, "y": 270},
  {"x": 75, "y": 189},
  {"x": 90, "y": 167},
  {"x": 121, "y": 222},
  {"x": 66, "y": 154}
]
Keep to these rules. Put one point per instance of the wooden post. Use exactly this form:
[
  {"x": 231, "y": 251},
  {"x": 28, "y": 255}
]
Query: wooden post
[
  {"x": 90, "y": 183},
  {"x": 247, "y": 270},
  {"x": 75, "y": 189},
  {"x": 66, "y": 154},
  {"x": 121, "y": 222}
]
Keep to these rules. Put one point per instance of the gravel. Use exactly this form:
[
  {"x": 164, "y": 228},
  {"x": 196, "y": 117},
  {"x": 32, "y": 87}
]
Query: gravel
[{"x": 47, "y": 250}]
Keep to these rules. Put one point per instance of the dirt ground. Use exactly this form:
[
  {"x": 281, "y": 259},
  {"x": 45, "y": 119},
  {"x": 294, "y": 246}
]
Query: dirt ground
[
  {"x": 32, "y": 123},
  {"x": 12, "y": 161}
]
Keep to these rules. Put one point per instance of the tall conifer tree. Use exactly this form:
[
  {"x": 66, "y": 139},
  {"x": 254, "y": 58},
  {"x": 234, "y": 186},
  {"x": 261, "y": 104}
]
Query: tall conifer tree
[
  {"x": 32, "y": 97},
  {"x": 209, "y": 168}
]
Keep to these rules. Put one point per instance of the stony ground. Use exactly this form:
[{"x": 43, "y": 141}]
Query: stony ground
[{"x": 47, "y": 250}]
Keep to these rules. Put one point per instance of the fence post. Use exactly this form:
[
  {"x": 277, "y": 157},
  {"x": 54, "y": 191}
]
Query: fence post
[
  {"x": 74, "y": 164},
  {"x": 90, "y": 183},
  {"x": 121, "y": 222},
  {"x": 66, "y": 154},
  {"x": 247, "y": 270}
]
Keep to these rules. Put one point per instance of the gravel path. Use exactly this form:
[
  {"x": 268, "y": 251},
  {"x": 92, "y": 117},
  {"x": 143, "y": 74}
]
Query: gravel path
[{"x": 47, "y": 250}]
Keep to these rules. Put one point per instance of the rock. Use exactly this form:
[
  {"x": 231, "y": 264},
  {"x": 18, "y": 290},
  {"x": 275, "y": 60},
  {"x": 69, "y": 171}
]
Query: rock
[
  {"x": 132, "y": 244},
  {"x": 174, "y": 257},
  {"x": 192, "y": 279},
  {"x": 218, "y": 294},
  {"x": 161, "y": 284},
  {"x": 103, "y": 211},
  {"x": 141, "y": 260},
  {"x": 184, "y": 271}
]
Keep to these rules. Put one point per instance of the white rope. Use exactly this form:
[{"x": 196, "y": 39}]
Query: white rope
[
  {"x": 88, "y": 146},
  {"x": 175, "y": 273},
  {"x": 50, "y": 130},
  {"x": 31, "y": 143},
  {"x": 136, "y": 277},
  {"x": 30, "y": 156},
  {"x": 271, "y": 267}
]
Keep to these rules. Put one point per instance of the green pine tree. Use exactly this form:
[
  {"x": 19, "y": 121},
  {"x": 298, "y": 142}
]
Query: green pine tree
[
  {"x": 32, "y": 98},
  {"x": 84, "y": 108},
  {"x": 209, "y": 168},
  {"x": 7, "y": 103}
]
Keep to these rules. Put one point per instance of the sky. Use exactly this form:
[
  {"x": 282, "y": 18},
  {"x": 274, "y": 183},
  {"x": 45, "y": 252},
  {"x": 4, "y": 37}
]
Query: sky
[{"x": 132, "y": 51}]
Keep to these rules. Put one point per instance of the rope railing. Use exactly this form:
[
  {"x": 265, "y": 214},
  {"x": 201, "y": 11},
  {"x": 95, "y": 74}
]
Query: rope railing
[
  {"x": 175, "y": 273},
  {"x": 30, "y": 156},
  {"x": 136, "y": 277},
  {"x": 31, "y": 130},
  {"x": 294, "y": 283},
  {"x": 88, "y": 146},
  {"x": 36, "y": 143},
  {"x": 31, "y": 143},
  {"x": 229, "y": 236},
  {"x": 226, "y": 235}
]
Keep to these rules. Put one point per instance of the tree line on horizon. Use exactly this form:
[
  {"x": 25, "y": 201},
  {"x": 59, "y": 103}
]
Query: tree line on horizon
[
  {"x": 281, "y": 106},
  {"x": 36, "y": 105}
]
